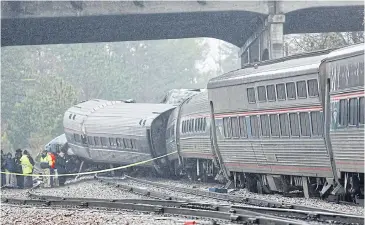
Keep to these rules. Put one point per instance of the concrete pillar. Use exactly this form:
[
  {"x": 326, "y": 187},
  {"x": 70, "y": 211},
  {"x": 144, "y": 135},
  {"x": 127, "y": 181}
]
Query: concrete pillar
[
  {"x": 266, "y": 43},
  {"x": 276, "y": 36}
]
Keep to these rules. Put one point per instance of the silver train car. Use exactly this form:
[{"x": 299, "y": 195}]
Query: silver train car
[
  {"x": 269, "y": 121},
  {"x": 115, "y": 132},
  {"x": 342, "y": 84},
  {"x": 189, "y": 134}
]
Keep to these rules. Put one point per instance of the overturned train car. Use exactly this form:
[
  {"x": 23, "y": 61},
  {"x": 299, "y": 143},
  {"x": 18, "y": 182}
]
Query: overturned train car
[{"x": 119, "y": 133}]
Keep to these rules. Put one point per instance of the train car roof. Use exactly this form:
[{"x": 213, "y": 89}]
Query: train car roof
[
  {"x": 351, "y": 50},
  {"x": 124, "y": 118},
  {"x": 197, "y": 104},
  {"x": 278, "y": 68},
  {"x": 76, "y": 114}
]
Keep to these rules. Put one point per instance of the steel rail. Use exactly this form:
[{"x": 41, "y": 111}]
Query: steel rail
[
  {"x": 156, "y": 208},
  {"x": 266, "y": 207}
]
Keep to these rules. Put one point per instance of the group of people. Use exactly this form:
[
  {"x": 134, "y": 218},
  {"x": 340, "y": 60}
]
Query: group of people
[
  {"x": 19, "y": 169},
  {"x": 52, "y": 164},
  {"x": 21, "y": 163}
]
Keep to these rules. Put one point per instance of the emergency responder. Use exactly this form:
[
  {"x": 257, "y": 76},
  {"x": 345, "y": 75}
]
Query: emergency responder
[
  {"x": 52, "y": 168},
  {"x": 18, "y": 168},
  {"x": 9, "y": 166},
  {"x": 45, "y": 164},
  {"x": 27, "y": 168},
  {"x": 61, "y": 167}
]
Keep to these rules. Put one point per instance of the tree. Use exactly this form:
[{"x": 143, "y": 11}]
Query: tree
[
  {"x": 40, "y": 115},
  {"x": 312, "y": 42}
]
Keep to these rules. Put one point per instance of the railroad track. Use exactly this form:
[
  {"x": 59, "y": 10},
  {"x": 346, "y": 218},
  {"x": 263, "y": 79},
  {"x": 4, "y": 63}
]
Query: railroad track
[
  {"x": 155, "y": 206},
  {"x": 260, "y": 207}
]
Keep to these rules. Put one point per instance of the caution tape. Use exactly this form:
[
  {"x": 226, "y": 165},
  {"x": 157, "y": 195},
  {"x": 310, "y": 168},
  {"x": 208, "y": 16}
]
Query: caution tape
[{"x": 91, "y": 172}]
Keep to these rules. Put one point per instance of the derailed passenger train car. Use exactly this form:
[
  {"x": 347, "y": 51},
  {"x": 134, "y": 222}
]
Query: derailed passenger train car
[
  {"x": 342, "y": 84},
  {"x": 269, "y": 124},
  {"x": 72, "y": 122},
  {"x": 189, "y": 133},
  {"x": 119, "y": 133}
]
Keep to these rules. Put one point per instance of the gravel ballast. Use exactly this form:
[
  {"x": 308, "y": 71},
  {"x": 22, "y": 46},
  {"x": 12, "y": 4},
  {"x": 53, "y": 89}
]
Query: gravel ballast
[{"x": 11, "y": 214}]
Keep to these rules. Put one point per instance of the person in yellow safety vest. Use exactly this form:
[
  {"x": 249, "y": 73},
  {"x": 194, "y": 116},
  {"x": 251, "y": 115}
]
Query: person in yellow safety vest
[
  {"x": 46, "y": 163},
  {"x": 27, "y": 168}
]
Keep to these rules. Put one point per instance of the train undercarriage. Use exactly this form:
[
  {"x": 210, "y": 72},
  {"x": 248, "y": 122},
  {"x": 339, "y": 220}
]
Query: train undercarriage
[{"x": 350, "y": 188}]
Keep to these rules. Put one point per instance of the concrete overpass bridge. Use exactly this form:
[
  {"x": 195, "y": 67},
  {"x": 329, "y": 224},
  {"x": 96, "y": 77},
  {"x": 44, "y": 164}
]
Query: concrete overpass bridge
[{"x": 257, "y": 27}]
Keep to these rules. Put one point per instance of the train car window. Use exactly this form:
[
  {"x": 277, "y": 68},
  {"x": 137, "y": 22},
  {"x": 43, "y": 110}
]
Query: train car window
[
  {"x": 132, "y": 146},
  {"x": 134, "y": 143},
  {"x": 243, "y": 127},
  {"x": 294, "y": 124},
  {"x": 305, "y": 129},
  {"x": 112, "y": 142},
  {"x": 343, "y": 113},
  {"x": 265, "y": 125},
  {"x": 255, "y": 128},
  {"x": 353, "y": 111},
  {"x": 183, "y": 127},
  {"x": 97, "y": 141},
  {"x": 280, "y": 92},
  {"x": 77, "y": 138},
  {"x": 317, "y": 125},
  {"x": 290, "y": 90},
  {"x": 126, "y": 143},
  {"x": 227, "y": 127},
  {"x": 90, "y": 140},
  {"x": 251, "y": 95},
  {"x": 284, "y": 125},
  {"x": 302, "y": 89},
  {"x": 70, "y": 116},
  {"x": 204, "y": 124},
  {"x": 270, "y": 90},
  {"x": 313, "y": 88},
  {"x": 361, "y": 110},
  {"x": 197, "y": 124},
  {"x": 104, "y": 141},
  {"x": 122, "y": 143},
  {"x": 117, "y": 141},
  {"x": 235, "y": 127},
  {"x": 261, "y": 93},
  {"x": 274, "y": 125},
  {"x": 191, "y": 125}
]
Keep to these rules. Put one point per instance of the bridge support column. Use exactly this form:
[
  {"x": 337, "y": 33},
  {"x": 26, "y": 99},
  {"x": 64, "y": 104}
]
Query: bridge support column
[{"x": 267, "y": 42}]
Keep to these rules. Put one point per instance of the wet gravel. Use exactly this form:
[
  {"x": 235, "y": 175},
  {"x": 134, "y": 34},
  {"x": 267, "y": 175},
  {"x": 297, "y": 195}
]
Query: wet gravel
[
  {"x": 316, "y": 203},
  {"x": 88, "y": 189},
  {"x": 171, "y": 193},
  {"x": 11, "y": 214}
]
